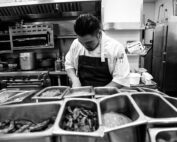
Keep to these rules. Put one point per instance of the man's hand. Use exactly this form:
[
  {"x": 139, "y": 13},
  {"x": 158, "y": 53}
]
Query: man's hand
[{"x": 76, "y": 83}]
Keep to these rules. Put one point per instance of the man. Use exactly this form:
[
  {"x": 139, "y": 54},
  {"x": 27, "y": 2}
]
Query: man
[{"x": 94, "y": 59}]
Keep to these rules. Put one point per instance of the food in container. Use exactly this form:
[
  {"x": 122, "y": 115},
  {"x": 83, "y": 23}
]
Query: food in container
[
  {"x": 85, "y": 92},
  {"x": 112, "y": 119},
  {"x": 51, "y": 93},
  {"x": 134, "y": 78},
  {"x": 80, "y": 119},
  {"x": 38, "y": 113},
  {"x": 5, "y": 95},
  {"x": 25, "y": 126}
]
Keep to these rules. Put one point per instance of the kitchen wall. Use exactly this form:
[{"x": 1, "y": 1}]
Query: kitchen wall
[
  {"x": 149, "y": 11},
  {"x": 168, "y": 4}
]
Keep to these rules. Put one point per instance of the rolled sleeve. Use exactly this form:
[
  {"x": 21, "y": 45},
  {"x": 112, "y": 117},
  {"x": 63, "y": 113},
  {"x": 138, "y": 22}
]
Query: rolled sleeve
[{"x": 122, "y": 68}]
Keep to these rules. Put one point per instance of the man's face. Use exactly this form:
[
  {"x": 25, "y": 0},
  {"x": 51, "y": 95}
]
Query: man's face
[{"x": 90, "y": 42}]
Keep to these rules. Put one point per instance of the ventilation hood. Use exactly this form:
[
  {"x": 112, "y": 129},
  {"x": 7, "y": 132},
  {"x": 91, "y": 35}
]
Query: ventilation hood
[{"x": 42, "y": 9}]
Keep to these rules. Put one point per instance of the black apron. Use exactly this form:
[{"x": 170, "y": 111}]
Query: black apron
[{"x": 93, "y": 72}]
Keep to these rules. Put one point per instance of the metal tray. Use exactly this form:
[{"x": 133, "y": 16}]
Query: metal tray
[
  {"x": 13, "y": 93},
  {"x": 153, "y": 91},
  {"x": 80, "y": 92},
  {"x": 39, "y": 98},
  {"x": 35, "y": 112},
  {"x": 131, "y": 90},
  {"x": 172, "y": 100},
  {"x": 163, "y": 134},
  {"x": 24, "y": 97},
  {"x": 105, "y": 91},
  {"x": 157, "y": 110},
  {"x": 68, "y": 136},
  {"x": 130, "y": 132}
]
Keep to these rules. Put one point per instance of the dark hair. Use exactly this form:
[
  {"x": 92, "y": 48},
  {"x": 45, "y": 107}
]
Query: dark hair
[{"x": 86, "y": 24}]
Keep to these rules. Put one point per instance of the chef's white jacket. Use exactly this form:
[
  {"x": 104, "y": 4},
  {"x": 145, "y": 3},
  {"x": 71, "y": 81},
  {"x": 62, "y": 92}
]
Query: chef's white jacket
[{"x": 114, "y": 51}]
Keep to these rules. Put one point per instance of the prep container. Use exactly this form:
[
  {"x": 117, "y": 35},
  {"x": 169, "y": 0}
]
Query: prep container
[
  {"x": 80, "y": 92},
  {"x": 131, "y": 132},
  {"x": 5, "y": 95},
  {"x": 157, "y": 110},
  {"x": 163, "y": 134},
  {"x": 35, "y": 112},
  {"x": 131, "y": 89},
  {"x": 105, "y": 91},
  {"x": 68, "y": 136},
  {"x": 39, "y": 98},
  {"x": 24, "y": 97}
]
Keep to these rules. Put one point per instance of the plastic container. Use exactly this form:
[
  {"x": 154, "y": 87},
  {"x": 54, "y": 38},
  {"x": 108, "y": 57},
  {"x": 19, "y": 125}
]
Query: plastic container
[{"x": 134, "y": 78}]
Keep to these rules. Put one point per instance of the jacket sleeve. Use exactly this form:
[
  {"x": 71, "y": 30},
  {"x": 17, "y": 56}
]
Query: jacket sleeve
[{"x": 69, "y": 58}]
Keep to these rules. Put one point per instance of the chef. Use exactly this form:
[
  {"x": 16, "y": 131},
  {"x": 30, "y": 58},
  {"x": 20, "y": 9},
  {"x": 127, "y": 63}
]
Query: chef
[{"x": 94, "y": 59}]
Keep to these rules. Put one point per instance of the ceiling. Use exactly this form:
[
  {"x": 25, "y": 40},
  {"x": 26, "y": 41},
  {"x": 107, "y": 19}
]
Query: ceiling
[{"x": 149, "y": 0}]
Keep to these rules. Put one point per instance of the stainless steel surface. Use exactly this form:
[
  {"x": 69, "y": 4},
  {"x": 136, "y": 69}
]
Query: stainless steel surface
[
  {"x": 153, "y": 91},
  {"x": 105, "y": 91},
  {"x": 164, "y": 55},
  {"x": 133, "y": 131},
  {"x": 68, "y": 136},
  {"x": 39, "y": 98},
  {"x": 172, "y": 100},
  {"x": 27, "y": 61},
  {"x": 131, "y": 89},
  {"x": 158, "y": 111},
  {"x": 83, "y": 92},
  {"x": 35, "y": 112},
  {"x": 163, "y": 134}
]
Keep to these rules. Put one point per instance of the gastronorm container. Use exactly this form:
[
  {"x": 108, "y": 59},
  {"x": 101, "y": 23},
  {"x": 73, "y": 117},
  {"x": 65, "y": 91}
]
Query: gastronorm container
[
  {"x": 68, "y": 136},
  {"x": 163, "y": 134},
  {"x": 39, "y": 98},
  {"x": 131, "y": 132},
  {"x": 11, "y": 93},
  {"x": 157, "y": 110},
  {"x": 24, "y": 97},
  {"x": 35, "y": 112},
  {"x": 172, "y": 100},
  {"x": 153, "y": 91},
  {"x": 131, "y": 89},
  {"x": 105, "y": 91},
  {"x": 80, "y": 92}
]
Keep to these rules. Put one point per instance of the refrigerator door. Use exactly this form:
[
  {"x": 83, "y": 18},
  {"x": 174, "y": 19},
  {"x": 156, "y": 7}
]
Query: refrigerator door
[
  {"x": 159, "y": 53},
  {"x": 170, "y": 80},
  {"x": 159, "y": 41}
]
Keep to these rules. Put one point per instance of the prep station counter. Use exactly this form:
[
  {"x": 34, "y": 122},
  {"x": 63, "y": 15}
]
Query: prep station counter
[{"x": 87, "y": 114}]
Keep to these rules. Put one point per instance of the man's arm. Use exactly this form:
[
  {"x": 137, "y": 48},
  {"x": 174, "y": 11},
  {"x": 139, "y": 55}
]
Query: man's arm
[
  {"x": 74, "y": 79},
  {"x": 113, "y": 84}
]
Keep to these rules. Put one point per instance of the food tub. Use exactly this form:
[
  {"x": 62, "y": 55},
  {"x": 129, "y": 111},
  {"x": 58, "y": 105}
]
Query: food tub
[
  {"x": 74, "y": 136},
  {"x": 105, "y": 91},
  {"x": 80, "y": 92},
  {"x": 35, "y": 112},
  {"x": 131, "y": 90},
  {"x": 5, "y": 95},
  {"x": 163, "y": 134},
  {"x": 39, "y": 98},
  {"x": 157, "y": 110},
  {"x": 24, "y": 97},
  {"x": 130, "y": 132}
]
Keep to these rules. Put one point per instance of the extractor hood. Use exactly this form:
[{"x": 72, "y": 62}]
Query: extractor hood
[{"x": 42, "y": 9}]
